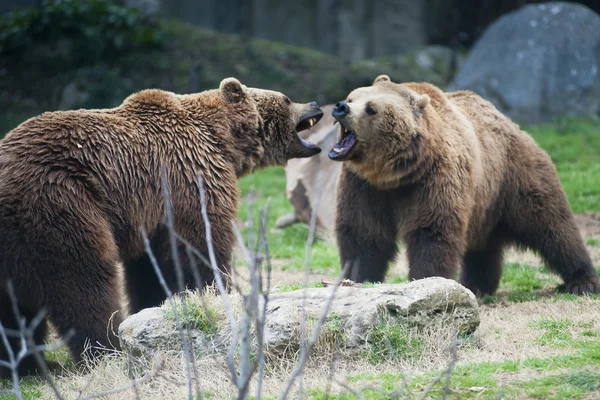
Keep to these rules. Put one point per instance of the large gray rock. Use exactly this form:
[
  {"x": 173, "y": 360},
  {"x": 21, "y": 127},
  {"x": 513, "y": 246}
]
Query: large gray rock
[
  {"x": 355, "y": 310},
  {"x": 538, "y": 62},
  {"x": 421, "y": 303}
]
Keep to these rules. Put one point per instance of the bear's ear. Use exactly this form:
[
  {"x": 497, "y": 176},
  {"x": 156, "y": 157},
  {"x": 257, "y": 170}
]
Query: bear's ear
[
  {"x": 423, "y": 101},
  {"x": 232, "y": 90},
  {"x": 381, "y": 78}
]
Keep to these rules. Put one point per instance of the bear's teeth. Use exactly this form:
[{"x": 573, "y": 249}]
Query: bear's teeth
[
  {"x": 338, "y": 149},
  {"x": 311, "y": 122}
]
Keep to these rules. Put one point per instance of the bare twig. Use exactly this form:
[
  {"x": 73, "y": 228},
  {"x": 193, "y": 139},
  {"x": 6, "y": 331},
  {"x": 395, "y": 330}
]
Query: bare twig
[
  {"x": 170, "y": 217},
  {"x": 161, "y": 279},
  {"x": 308, "y": 251},
  {"x": 357, "y": 393},
  {"x": 251, "y": 313},
  {"x": 26, "y": 336},
  {"x": 260, "y": 323},
  {"x": 315, "y": 334},
  {"x": 218, "y": 278},
  {"x": 250, "y": 303},
  {"x": 11, "y": 364},
  {"x": 446, "y": 372}
]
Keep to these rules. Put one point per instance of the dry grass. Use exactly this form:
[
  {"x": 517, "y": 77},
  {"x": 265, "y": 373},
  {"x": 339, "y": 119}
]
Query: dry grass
[{"x": 507, "y": 332}]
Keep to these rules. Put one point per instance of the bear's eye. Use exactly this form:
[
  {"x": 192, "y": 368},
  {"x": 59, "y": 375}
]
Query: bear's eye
[
  {"x": 287, "y": 101},
  {"x": 369, "y": 110}
]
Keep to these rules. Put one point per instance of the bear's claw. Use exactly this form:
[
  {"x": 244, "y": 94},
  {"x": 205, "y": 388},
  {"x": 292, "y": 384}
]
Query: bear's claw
[{"x": 581, "y": 287}]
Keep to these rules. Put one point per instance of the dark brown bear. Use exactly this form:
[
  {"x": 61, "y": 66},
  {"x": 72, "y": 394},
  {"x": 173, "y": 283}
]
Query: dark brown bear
[
  {"x": 453, "y": 178},
  {"x": 76, "y": 187}
]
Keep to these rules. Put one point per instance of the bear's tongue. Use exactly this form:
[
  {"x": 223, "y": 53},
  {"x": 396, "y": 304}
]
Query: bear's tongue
[{"x": 343, "y": 147}]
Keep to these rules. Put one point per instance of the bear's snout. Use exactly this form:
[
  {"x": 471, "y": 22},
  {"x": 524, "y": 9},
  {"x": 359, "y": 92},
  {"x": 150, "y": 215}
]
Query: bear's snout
[{"x": 340, "y": 110}]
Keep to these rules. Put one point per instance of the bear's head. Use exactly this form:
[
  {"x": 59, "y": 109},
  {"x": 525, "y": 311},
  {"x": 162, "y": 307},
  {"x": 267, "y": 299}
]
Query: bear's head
[
  {"x": 380, "y": 129},
  {"x": 280, "y": 120}
]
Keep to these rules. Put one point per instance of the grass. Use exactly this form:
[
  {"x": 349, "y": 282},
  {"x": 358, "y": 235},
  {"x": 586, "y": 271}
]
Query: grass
[
  {"x": 392, "y": 340},
  {"x": 531, "y": 378},
  {"x": 593, "y": 242},
  {"x": 30, "y": 389},
  {"x": 198, "y": 316},
  {"x": 290, "y": 287},
  {"x": 285, "y": 244},
  {"x": 574, "y": 146}
]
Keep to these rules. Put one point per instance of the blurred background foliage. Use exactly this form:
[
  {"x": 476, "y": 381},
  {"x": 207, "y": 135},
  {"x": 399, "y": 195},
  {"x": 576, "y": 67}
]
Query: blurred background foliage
[{"x": 64, "y": 54}]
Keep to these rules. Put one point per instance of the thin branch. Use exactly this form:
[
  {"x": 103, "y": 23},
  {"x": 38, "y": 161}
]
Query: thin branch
[
  {"x": 28, "y": 345},
  {"x": 250, "y": 308},
  {"x": 357, "y": 393},
  {"x": 171, "y": 228},
  {"x": 261, "y": 320},
  {"x": 308, "y": 252},
  {"x": 218, "y": 278},
  {"x": 169, "y": 211},
  {"x": 445, "y": 372},
  {"x": 161, "y": 279},
  {"x": 11, "y": 364},
  {"x": 315, "y": 333}
]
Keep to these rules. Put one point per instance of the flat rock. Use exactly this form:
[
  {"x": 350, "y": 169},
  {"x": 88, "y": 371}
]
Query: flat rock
[{"x": 357, "y": 310}]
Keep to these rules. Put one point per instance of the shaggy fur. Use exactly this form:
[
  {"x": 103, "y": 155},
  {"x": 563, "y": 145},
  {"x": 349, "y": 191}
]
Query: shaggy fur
[
  {"x": 76, "y": 187},
  {"x": 457, "y": 181}
]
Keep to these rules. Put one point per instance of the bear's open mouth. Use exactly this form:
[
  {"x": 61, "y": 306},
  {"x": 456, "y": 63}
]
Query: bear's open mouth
[
  {"x": 342, "y": 149},
  {"x": 309, "y": 120}
]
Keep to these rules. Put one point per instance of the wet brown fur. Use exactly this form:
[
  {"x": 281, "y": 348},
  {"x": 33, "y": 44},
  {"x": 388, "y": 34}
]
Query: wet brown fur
[
  {"x": 457, "y": 181},
  {"x": 77, "y": 186}
]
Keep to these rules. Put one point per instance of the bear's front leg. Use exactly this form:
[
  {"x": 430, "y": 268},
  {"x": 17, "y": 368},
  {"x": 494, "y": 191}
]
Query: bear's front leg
[
  {"x": 367, "y": 257},
  {"x": 366, "y": 229},
  {"x": 433, "y": 252}
]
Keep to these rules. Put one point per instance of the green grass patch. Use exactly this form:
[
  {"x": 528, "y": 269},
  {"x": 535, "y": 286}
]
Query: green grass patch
[
  {"x": 61, "y": 356},
  {"x": 574, "y": 146},
  {"x": 289, "y": 243},
  {"x": 571, "y": 385},
  {"x": 481, "y": 380},
  {"x": 522, "y": 278},
  {"x": 391, "y": 340},
  {"x": 196, "y": 315},
  {"x": 521, "y": 283},
  {"x": 290, "y": 287},
  {"x": 556, "y": 332},
  {"x": 593, "y": 242},
  {"x": 30, "y": 389}
]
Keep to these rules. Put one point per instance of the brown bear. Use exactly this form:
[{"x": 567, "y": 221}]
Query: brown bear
[
  {"x": 77, "y": 187},
  {"x": 456, "y": 181}
]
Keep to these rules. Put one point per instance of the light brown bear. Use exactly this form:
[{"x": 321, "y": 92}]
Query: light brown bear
[
  {"x": 76, "y": 187},
  {"x": 453, "y": 178}
]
